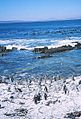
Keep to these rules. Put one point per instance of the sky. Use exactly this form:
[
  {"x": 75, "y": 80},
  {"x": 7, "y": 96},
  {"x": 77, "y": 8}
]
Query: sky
[{"x": 37, "y": 10}]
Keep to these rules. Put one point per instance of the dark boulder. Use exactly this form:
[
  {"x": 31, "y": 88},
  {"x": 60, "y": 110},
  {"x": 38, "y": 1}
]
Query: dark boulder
[
  {"x": 41, "y": 50},
  {"x": 53, "y": 50},
  {"x": 3, "y": 50},
  {"x": 60, "y": 49},
  {"x": 14, "y": 48},
  {"x": 44, "y": 56},
  {"x": 78, "y": 46},
  {"x": 1, "y": 81}
]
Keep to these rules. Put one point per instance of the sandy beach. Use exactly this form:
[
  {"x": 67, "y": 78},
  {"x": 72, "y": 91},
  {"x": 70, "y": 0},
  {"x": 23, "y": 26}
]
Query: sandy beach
[{"x": 41, "y": 99}]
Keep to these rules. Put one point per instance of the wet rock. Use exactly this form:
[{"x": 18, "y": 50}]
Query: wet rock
[
  {"x": 14, "y": 48},
  {"x": 41, "y": 50},
  {"x": 3, "y": 50},
  {"x": 53, "y": 50},
  {"x": 44, "y": 56},
  {"x": 61, "y": 49},
  {"x": 78, "y": 45},
  {"x": 0, "y": 81},
  {"x": 73, "y": 115},
  {"x": 23, "y": 49}
]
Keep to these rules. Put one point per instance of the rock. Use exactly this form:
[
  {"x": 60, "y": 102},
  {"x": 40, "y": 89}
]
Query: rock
[
  {"x": 60, "y": 49},
  {"x": 53, "y": 50},
  {"x": 23, "y": 49},
  {"x": 3, "y": 50},
  {"x": 44, "y": 56},
  {"x": 0, "y": 81},
  {"x": 14, "y": 48},
  {"x": 41, "y": 50},
  {"x": 78, "y": 45},
  {"x": 73, "y": 115}
]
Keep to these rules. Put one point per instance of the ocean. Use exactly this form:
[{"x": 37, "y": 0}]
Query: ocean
[{"x": 24, "y": 64}]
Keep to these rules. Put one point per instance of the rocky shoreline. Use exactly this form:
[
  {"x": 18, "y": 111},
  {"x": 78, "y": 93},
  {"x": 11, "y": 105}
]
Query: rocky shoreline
[
  {"x": 47, "y": 98},
  {"x": 58, "y": 49},
  {"x": 46, "y": 51}
]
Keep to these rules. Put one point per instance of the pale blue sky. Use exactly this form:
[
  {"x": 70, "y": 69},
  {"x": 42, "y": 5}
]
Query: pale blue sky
[{"x": 29, "y": 10}]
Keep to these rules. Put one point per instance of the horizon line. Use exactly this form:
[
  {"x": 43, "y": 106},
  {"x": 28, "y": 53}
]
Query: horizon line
[{"x": 48, "y": 20}]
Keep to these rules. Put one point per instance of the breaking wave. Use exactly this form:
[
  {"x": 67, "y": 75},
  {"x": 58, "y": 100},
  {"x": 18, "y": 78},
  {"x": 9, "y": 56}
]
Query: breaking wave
[{"x": 30, "y": 44}]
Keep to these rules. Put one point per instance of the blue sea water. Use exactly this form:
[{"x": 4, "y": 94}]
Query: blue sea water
[{"x": 24, "y": 63}]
